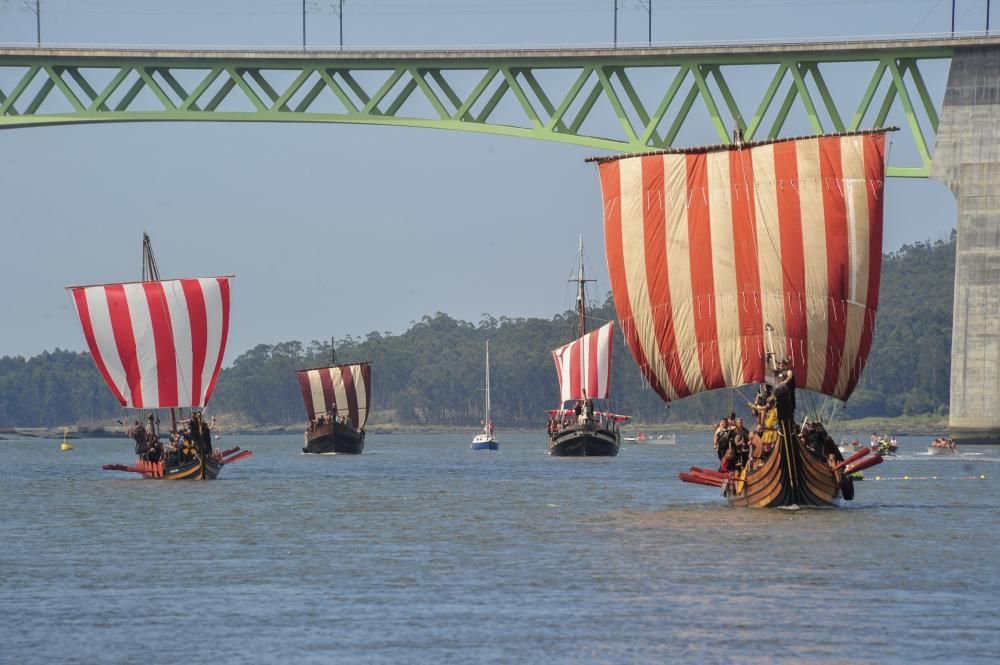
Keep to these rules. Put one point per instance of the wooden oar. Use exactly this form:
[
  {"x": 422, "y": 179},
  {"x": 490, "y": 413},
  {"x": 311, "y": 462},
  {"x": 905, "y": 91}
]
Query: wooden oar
[
  {"x": 122, "y": 467},
  {"x": 712, "y": 472},
  {"x": 701, "y": 480},
  {"x": 227, "y": 453},
  {"x": 742, "y": 481},
  {"x": 718, "y": 479},
  {"x": 854, "y": 458},
  {"x": 237, "y": 458},
  {"x": 864, "y": 464}
]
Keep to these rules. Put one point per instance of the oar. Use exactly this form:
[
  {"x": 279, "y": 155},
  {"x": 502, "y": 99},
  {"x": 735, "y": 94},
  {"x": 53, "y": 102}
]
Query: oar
[
  {"x": 122, "y": 467},
  {"x": 711, "y": 472},
  {"x": 236, "y": 458},
  {"x": 864, "y": 464},
  {"x": 701, "y": 480},
  {"x": 714, "y": 476},
  {"x": 227, "y": 453},
  {"x": 742, "y": 481},
  {"x": 854, "y": 458}
]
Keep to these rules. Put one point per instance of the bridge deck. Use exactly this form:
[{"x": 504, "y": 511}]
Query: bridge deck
[{"x": 700, "y": 51}]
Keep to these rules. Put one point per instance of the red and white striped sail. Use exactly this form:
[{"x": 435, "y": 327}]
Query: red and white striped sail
[
  {"x": 708, "y": 248},
  {"x": 158, "y": 344},
  {"x": 584, "y": 366},
  {"x": 340, "y": 390}
]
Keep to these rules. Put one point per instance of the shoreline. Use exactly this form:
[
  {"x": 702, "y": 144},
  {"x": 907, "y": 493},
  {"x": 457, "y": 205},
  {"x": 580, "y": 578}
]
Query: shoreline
[{"x": 899, "y": 426}]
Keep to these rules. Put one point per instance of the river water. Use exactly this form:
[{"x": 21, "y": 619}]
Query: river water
[{"x": 422, "y": 550}]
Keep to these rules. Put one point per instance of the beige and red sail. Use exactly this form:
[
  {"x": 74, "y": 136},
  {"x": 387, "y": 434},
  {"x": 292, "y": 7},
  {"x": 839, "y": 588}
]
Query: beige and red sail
[
  {"x": 707, "y": 249},
  {"x": 158, "y": 344},
  {"x": 584, "y": 365},
  {"x": 339, "y": 390}
]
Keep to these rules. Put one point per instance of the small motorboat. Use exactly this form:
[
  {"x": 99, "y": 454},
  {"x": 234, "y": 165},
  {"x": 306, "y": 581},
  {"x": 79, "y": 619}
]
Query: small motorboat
[
  {"x": 942, "y": 446},
  {"x": 638, "y": 438},
  {"x": 885, "y": 446}
]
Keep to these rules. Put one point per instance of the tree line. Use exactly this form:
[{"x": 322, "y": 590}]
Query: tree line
[{"x": 433, "y": 372}]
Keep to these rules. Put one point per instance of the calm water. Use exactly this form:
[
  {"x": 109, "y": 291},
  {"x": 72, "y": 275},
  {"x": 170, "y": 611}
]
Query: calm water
[{"x": 422, "y": 550}]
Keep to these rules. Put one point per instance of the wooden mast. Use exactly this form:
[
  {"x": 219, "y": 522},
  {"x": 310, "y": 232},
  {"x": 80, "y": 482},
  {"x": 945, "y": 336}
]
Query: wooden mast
[
  {"x": 151, "y": 273},
  {"x": 581, "y": 296}
]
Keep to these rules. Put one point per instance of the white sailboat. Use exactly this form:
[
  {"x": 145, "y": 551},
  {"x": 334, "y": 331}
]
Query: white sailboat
[{"x": 485, "y": 440}]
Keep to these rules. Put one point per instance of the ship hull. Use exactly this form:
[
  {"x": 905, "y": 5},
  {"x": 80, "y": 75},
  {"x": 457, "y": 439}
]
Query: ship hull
[
  {"x": 190, "y": 469},
  {"x": 484, "y": 444},
  {"x": 584, "y": 442},
  {"x": 334, "y": 438},
  {"x": 791, "y": 476}
]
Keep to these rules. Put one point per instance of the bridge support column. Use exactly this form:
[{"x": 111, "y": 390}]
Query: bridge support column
[{"x": 967, "y": 159}]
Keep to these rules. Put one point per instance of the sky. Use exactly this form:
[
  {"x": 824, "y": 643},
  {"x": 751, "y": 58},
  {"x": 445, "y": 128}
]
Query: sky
[{"x": 336, "y": 230}]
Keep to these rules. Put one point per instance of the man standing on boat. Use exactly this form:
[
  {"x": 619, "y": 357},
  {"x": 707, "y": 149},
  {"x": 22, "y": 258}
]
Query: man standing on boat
[{"x": 784, "y": 391}]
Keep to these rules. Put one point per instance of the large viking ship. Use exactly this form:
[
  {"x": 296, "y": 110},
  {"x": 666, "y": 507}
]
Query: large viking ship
[
  {"x": 337, "y": 400},
  {"x": 159, "y": 344},
  {"x": 576, "y": 428},
  {"x": 725, "y": 259}
]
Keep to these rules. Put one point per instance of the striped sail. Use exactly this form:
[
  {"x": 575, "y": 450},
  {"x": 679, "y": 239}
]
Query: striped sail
[
  {"x": 158, "y": 344},
  {"x": 584, "y": 366},
  {"x": 340, "y": 390},
  {"x": 716, "y": 254}
]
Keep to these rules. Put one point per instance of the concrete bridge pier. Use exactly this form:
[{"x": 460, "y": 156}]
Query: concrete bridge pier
[{"x": 967, "y": 160}]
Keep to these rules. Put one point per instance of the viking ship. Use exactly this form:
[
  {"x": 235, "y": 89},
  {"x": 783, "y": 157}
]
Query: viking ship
[
  {"x": 724, "y": 259},
  {"x": 583, "y": 368},
  {"x": 485, "y": 439},
  {"x": 159, "y": 344},
  {"x": 337, "y": 400}
]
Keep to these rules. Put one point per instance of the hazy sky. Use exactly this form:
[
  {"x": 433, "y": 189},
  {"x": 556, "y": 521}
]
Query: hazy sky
[{"x": 339, "y": 229}]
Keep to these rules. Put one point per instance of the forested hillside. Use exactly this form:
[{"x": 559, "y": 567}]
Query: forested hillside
[{"x": 433, "y": 372}]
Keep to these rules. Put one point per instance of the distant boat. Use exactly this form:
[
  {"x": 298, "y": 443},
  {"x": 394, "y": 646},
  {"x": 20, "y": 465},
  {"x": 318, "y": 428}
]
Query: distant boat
[
  {"x": 942, "y": 446},
  {"x": 584, "y": 371},
  {"x": 159, "y": 344},
  {"x": 638, "y": 438},
  {"x": 337, "y": 400},
  {"x": 885, "y": 446},
  {"x": 65, "y": 445},
  {"x": 485, "y": 440}
]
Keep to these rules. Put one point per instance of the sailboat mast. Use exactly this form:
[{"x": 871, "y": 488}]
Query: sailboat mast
[{"x": 487, "y": 386}]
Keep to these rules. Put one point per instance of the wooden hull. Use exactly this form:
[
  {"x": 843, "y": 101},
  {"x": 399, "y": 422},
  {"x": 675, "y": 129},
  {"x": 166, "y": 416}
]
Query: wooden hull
[
  {"x": 334, "y": 438},
  {"x": 190, "y": 469},
  {"x": 584, "y": 441},
  {"x": 791, "y": 476}
]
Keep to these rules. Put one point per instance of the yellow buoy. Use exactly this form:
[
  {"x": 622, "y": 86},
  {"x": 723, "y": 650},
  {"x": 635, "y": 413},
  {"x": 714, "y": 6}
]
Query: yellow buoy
[{"x": 65, "y": 445}]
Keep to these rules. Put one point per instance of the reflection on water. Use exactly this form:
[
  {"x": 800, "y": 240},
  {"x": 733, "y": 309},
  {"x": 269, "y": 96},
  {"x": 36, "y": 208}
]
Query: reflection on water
[{"x": 423, "y": 550}]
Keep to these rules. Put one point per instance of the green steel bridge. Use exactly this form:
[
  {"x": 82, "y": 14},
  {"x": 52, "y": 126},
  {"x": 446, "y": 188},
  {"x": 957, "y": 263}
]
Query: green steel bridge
[{"x": 651, "y": 96}]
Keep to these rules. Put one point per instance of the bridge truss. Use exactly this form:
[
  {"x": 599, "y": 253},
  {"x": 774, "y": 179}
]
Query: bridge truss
[{"x": 623, "y": 100}]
